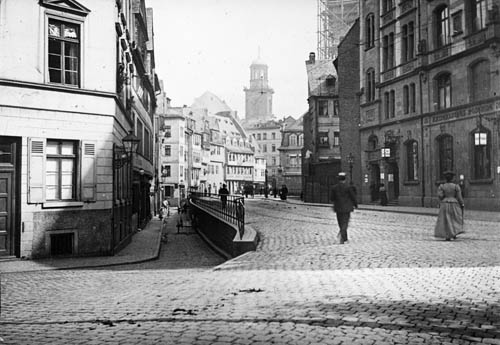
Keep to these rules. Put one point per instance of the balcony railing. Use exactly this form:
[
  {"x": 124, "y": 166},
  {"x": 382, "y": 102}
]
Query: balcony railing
[{"x": 232, "y": 210}]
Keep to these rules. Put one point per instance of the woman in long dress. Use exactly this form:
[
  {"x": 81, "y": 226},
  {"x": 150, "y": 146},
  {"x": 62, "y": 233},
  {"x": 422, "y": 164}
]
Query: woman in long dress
[{"x": 450, "y": 219}]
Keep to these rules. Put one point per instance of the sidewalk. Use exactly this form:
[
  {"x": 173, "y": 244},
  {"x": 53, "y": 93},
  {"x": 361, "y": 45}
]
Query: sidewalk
[{"x": 144, "y": 246}]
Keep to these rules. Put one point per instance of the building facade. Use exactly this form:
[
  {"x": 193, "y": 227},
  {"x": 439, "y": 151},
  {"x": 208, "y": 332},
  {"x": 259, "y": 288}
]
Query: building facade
[
  {"x": 321, "y": 151},
  {"x": 429, "y": 80},
  {"x": 67, "y": 99},
  {"x": 290, "y": 151}
]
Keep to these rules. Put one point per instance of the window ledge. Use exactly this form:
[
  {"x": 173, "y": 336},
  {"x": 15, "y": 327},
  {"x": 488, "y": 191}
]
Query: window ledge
[
  {"x": 481, "y": 181},
  {"x": 62, "y": 204},
  {"x": 411, "y": 183}
]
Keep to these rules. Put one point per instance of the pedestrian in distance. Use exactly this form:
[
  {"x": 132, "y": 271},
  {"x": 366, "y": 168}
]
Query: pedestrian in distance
[
  {"x": 450, "y": 220},
  {"x": 344, "y": 202},
  {"x": 223, "y": 193},
  {"x": 283, "y": 192},
  {"x": 383, "y": 195}
]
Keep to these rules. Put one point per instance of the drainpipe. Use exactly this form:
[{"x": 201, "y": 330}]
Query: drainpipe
[{"x": 421, "y": 113}]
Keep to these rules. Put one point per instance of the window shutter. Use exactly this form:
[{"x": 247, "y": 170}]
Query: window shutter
[
  {"x": 36, "y": 170},
  {"x": 89, "y": 179}
]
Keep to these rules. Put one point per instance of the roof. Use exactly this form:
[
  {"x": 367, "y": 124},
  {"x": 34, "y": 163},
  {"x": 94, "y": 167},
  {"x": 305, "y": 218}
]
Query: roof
[
  {"x": 317, "y": 73},
  {"x": 211, "y": 102}
]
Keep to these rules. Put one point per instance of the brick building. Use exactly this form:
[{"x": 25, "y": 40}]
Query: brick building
[{"x": 429, "y": 86}]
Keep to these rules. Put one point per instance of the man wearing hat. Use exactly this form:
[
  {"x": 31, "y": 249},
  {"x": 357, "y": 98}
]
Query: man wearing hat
[{"x": 344, "y": 201}]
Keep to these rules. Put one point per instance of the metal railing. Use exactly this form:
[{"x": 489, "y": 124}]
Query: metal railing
[{"x": 231, "y": 210}]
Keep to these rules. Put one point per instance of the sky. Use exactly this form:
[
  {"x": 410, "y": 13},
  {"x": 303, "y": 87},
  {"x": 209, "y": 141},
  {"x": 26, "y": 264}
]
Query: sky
[{"x": 209, "y": 45}]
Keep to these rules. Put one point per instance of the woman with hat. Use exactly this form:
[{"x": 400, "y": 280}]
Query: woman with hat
[{"x": 450, "y": 219}]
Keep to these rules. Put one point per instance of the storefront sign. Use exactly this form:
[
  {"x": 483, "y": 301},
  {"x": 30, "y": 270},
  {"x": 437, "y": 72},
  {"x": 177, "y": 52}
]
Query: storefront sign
[{"x": 464, "y": 112}]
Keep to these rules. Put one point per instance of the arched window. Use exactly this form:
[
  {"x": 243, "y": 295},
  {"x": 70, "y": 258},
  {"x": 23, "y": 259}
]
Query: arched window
[
  {"x": 480, "y": 80},
  {"x": 370, "y": 30},
  {"x": 293, "y": 140},
  {"x": 412, "y": 160},
  {"x": 443, "y": 87},
  {"x": 442, "y": 20},
  {"x": 445, "y": 154},
  {"x": 301, "y": 140},
  {"x": 481, "y": 153},
  {"x": 370, "y": 85}
]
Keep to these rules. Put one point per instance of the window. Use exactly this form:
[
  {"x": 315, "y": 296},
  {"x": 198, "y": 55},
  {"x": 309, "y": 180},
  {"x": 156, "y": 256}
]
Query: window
[
  {"x": 443, "y": 83},
  {"x": 60, "y": 174},
  {"x": 336, "y": 139},
  {"x": 387, "y": 5},
  {"x": 412, "y": 98},
  {"x": 442, "y": 26},
  {"x": 480, "y": 80},
  {"x": 293, "y": 140},
  {"x": 406, "y": 99},
  {"x": 168, "y": 131},
  {"x": 264, "y": 136},
  {"x": 273, "y": 135},
  {"x": 445, "y": 154},
  {"x": 168, "y": 150},
  {"x": 147, "y": 144},
  {"x": 407, "y": 42},
  {"x": 393, "y": 103},
  {"x": 273, "y": 148},
  {"x": 457, "y": 22},
  {"x": 181, "y": 170},
  {"x": 323, "y": 139},
  {"x": 322, "y": 108},
  {"x": 481, "y": 154},
  {"x": 370, "y": 85},
  {"x": 64, "y": 53},
  {"x": 274, "y": 160},
  {"x": 390, "y": 104},
  {"x": 370, "y": 31},
  {"x": 388, "y": 51},
  {"x": 412, "y": 161},
  {"x": 478, "y": 15},
  {"x": 335, "y": 108},
  {"x": 264, "y": 148},
  {"x": 293, "y": 160},
  {"x": 258, "y": 136},
  {"x": 386, "y": 105},
  {"x": 166, "y": 171},
  {"x": 140, "y": 134},
  {"x": 301, "y": 140}
]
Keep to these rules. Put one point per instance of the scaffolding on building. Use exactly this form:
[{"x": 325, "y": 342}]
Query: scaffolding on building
[{"x": 335, "y": 18}]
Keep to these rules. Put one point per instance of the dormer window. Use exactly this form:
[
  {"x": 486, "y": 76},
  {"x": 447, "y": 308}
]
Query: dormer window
[{"x": 330, "y": 81}]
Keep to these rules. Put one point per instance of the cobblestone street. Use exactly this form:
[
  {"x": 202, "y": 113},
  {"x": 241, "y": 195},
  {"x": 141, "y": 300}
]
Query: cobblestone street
[{"x": 392, "y": 283}]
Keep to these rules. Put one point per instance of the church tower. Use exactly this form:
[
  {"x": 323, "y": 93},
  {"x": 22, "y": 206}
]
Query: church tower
[{"x": 259, "y": 96}]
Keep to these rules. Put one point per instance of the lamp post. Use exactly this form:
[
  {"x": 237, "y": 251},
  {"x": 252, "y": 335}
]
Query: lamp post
[
  {"x": 350, "y": 160},
  {"x": 266, "y": 191}
]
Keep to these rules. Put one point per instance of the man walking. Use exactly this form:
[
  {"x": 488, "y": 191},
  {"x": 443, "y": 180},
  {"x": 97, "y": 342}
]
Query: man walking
[
  {"x": 344, "y": 201},
  {"x": 223, "y": 193}
]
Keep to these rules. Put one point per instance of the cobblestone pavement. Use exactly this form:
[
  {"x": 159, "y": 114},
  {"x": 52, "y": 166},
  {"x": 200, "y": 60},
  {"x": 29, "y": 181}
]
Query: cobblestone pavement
[{"x": 393, "y": 283}]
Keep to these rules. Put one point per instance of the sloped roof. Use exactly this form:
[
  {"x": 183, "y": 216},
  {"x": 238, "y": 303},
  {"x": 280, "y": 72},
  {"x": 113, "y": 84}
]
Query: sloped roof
[
  {"x": 211, "y": 102},
  {"x": 317, "y": 73},
  {"x": 296, "y": 125}
]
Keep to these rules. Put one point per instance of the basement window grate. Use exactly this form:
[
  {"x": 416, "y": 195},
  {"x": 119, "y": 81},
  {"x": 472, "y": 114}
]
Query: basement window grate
[{"x": 61, "y": 244}]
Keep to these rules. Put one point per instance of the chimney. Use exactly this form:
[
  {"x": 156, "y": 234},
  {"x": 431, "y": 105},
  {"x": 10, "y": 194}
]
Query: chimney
[{"x": 312, "y": 57}]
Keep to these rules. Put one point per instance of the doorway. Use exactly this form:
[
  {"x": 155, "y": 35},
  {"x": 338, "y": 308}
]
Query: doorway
[
  {"x": 394, "y": 184},
  {"x": 10, "y": 179}
]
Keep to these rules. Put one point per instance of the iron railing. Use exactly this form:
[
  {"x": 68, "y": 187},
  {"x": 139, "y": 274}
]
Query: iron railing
[{"x": 232, "y": 210}]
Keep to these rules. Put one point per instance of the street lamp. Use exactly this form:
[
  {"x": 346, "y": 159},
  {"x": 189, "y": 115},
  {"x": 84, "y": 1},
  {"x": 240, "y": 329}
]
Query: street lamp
[
  {"x": 350, "y": 160},
  {"x": 130, "y": 144}
]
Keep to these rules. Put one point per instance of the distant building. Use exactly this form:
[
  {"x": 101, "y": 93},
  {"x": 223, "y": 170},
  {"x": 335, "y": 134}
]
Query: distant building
[
  {"x": 259, "y": 96},
  {"x": 290, "y": 150},
  {"x": 321, "y": 152}
]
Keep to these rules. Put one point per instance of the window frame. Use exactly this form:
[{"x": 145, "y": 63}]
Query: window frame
[
  {"x": 59, "y": 157},
  {"x": 442, "y": 26},
  {"x": 412, "y": 164},
  {"x": 445, "y": 151},
  {"x": 370, "y": 84},
  {"x": 370, "y": 31},
  {"x": 322, "y": 108},
  {"x": 483, "y": 153},
  {"x": 79, "y": 43},
  {"x": 444, "y": 90}
]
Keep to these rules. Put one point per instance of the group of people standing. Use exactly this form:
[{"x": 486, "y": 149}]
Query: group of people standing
[{"x": 450, "y": 221}]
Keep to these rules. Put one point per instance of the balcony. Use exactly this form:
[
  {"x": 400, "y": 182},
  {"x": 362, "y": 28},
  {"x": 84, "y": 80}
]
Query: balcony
[{"x": 475, "y": 39}]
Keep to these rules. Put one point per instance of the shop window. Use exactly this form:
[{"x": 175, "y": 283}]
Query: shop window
[
  {"x": 412, "y": 161},
  {"x": 481, "y": 154},
  {"x": 445, "y": 154}
]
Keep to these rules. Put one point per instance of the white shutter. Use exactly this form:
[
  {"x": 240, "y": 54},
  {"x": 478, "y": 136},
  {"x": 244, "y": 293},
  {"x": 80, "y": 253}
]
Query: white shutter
[
  {"x": 36, "y": 170},
  {"x": 88, "y": 175}
]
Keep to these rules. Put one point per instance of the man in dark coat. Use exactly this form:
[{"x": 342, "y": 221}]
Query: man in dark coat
[
  {"x": 223, "y": 193},
  {"x": 344, "y": 201}
]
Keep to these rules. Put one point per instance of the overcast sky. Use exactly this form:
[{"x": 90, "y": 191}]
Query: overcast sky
[{"x": 208, "y": 45}]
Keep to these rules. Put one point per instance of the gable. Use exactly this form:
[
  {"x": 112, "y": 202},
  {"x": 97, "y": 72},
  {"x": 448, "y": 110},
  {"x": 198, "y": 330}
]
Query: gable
[{"x": 71, "y": 6}]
